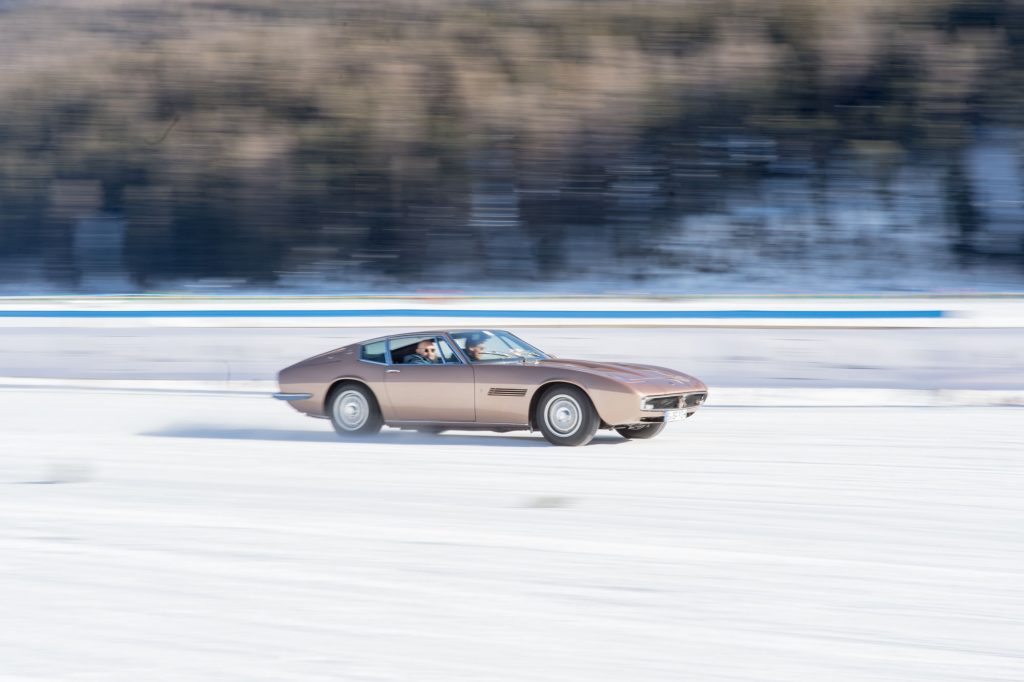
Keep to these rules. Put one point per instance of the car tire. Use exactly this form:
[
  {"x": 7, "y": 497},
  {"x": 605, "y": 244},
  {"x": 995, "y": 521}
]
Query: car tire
[
  {"x": 565, "y": 415},
  {"x": 641, "y": 432},
  {"x": 354, "y": 411}
]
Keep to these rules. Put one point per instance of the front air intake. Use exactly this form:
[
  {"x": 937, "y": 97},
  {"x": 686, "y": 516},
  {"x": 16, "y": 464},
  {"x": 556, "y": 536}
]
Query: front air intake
[
  {"x": 666, "y": 402},
  {"x": 694, "y": 399}
]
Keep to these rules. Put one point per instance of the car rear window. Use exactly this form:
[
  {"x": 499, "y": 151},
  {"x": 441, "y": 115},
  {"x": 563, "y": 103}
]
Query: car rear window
[{"x": 372, "y": 352}]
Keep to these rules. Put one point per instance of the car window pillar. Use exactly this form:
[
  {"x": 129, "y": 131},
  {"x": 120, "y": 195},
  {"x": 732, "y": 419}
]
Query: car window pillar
[{"x": 458, "y": 350}]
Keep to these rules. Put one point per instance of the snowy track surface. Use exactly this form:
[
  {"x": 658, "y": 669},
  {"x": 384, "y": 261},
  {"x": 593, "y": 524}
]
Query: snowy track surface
[
  {"x": 922, "y": 359},
  {"x": 156, "y": 537}
]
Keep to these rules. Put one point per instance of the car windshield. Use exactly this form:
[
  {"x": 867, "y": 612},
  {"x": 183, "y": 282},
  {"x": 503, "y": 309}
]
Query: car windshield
[{"x": 486, "y": 345}]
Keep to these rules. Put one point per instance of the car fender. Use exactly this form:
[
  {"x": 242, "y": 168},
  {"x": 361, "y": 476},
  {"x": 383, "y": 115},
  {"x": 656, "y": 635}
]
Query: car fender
[{"x": 611, "y": 399}]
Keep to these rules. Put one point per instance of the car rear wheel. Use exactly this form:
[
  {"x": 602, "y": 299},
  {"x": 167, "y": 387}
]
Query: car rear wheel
[
  {"x": 354, "y": 411},
  {"x": 641, "y": 432},
  {"x": 566, "y": 416}
]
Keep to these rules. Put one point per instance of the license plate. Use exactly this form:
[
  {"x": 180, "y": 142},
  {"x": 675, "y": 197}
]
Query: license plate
[{"x": 674, "y": 415}]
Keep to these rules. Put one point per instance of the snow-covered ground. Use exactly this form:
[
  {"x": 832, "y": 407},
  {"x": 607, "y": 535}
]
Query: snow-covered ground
[{"x": 188, "y": 537}]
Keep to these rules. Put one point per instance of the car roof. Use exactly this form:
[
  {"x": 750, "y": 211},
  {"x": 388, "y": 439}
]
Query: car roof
[{"x": 431, "y": 332}]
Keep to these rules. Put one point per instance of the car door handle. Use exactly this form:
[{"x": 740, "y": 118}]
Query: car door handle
[{"x": 394, "y": 371}]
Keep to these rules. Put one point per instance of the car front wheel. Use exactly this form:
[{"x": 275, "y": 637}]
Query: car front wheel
[
  {"x": 641, "y": 432},
  {"x": 566, "y": 416},
  {"x": 354, "y": 411}
]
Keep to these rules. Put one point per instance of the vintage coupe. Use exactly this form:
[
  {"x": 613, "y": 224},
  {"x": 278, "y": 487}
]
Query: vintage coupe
[{"x": 484, "y": 379}]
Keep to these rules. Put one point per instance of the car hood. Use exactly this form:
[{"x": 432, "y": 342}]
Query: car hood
[{"x": 664, "y": 378}]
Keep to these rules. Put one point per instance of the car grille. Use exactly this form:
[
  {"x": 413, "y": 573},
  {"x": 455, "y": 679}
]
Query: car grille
[
  {"x": 674, "y": 402},
  {"x": 665, "y": 402}
]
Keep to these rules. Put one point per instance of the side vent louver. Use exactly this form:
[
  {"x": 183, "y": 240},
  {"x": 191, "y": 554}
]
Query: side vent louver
[{"x": 509, "y": 392}]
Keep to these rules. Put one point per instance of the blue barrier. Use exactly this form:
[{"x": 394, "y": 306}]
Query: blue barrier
[{"x": 536, "y": 314}]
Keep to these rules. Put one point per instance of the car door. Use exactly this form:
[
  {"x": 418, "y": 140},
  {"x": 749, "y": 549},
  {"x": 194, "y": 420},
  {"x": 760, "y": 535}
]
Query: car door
[
  {"x": 503, "y": 392},
  {"x": 439, "y": 392}
]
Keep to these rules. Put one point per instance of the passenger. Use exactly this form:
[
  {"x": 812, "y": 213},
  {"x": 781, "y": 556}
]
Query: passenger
[
  {"x": 475, "y": 348},
  {"x": 426, "y": 354}
]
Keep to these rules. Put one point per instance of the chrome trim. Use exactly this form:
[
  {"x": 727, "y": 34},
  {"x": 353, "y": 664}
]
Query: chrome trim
[
  {"x": 292, "y": 396},
  {"x": 507, "y": 392}
]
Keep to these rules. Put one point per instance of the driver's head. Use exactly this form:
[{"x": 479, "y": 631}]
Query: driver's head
[
  {"x": 427, "y": 350},
  {"x": 475, "y": 347}
]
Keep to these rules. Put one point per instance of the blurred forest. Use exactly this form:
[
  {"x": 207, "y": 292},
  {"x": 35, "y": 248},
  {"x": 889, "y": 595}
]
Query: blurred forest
[{"x": 337, "y": 139}]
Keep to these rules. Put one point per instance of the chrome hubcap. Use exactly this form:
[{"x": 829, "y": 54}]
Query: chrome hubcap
[
  {"x": 351, "y": 410},
  {"x": 563, "y": 415}
]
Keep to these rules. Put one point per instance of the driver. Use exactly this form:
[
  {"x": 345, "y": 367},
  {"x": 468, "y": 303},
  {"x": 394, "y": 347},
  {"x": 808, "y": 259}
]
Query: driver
[
  {"x": 426, "y": 354},
  {"x": 475, "y": 348}
]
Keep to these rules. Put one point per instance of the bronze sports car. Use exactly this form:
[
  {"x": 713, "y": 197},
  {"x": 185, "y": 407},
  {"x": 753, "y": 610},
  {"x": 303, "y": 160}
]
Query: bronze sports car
[{"x": 484, "y": 379}]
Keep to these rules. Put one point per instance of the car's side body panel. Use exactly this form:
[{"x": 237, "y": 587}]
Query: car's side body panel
[
  {"x": 319, "y": 374},
  {"x": 502, "y": 394},
  {"x": 430, "y": 393}
]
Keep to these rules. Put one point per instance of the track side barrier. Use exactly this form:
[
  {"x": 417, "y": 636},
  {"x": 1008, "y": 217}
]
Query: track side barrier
[{"x": 415, "y": 312}]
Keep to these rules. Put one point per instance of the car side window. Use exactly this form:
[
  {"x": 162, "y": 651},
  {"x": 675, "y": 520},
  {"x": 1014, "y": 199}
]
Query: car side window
[
  {"x": 373, "y": 352},
  {"x": 447, "y": 353},
  {"x": 403, "y": 347},
  {"x": 403, "y": 351}
]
